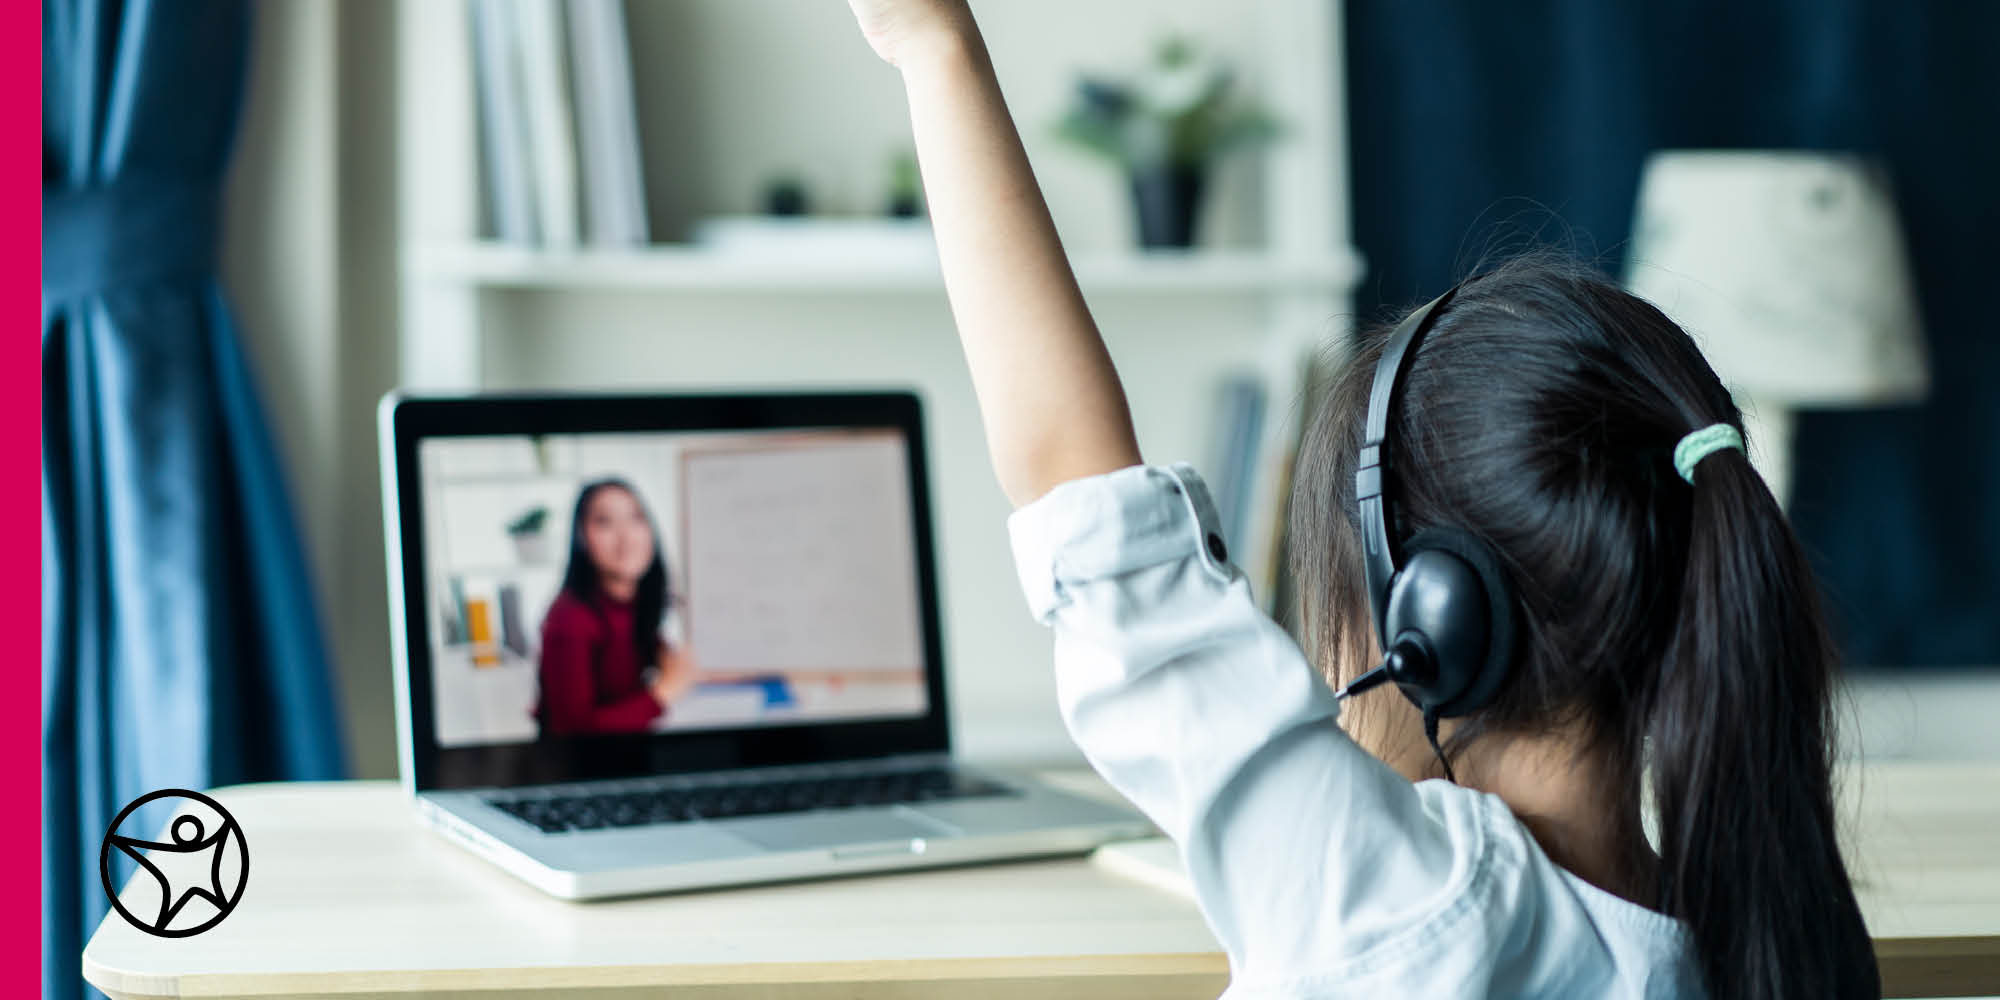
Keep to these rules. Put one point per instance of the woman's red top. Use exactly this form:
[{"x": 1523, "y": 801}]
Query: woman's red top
[{"x": 592, "y": 676}]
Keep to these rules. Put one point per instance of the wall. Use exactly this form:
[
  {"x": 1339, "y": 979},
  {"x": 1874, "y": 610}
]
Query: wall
[
  {"x": 1922, "y": 714},
  {"x": 308, "y": 263},
  {"x": 734, "y": 93},
  {"x": 369, "y": 287}
]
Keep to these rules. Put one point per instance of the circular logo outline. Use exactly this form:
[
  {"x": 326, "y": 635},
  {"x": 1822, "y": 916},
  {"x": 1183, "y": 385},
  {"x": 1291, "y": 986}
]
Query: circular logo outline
[{"x": 224, "y": 908}]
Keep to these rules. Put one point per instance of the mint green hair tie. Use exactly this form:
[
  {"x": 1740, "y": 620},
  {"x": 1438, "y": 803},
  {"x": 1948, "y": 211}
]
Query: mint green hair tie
[{"x": 1700, "y": 444}]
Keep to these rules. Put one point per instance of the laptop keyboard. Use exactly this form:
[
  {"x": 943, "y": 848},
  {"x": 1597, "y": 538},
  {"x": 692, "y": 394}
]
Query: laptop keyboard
[{"x": 560, "y": 813}]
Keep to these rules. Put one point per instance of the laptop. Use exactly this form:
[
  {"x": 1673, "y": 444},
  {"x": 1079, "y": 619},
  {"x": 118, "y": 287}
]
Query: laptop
[{"x": 652, "y": 643}]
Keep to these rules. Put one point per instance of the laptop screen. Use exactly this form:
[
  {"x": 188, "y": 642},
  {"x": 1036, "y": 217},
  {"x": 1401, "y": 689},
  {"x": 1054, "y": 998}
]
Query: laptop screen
[{"x": 611, "y": 584}]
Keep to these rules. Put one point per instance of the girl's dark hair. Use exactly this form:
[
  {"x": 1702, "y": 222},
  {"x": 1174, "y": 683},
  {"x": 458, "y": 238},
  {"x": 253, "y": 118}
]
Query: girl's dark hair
[
  {"x": 1677, "y": 626},
  {"x": 580, "y": 578}
]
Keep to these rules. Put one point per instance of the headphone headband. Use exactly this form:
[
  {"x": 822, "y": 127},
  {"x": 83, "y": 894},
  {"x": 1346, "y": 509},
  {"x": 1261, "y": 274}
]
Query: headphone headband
[
  {"x": 1445, "y": 614},
  {"x": 1371, "y": 473}
]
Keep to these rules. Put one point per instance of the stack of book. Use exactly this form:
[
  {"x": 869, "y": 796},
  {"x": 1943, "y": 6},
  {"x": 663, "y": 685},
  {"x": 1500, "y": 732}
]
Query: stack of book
[
  {"x": 1253, "y": 447},
  {"x": 559, "y": 138},
  {"x": 1239, "y": 428}
]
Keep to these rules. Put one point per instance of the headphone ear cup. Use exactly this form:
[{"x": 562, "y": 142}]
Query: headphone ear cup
[{"x": 1470, "y": 667}]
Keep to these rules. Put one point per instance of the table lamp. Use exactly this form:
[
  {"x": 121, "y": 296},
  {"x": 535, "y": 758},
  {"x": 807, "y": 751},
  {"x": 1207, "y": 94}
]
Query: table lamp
[{"x": 1788, "y": 269}]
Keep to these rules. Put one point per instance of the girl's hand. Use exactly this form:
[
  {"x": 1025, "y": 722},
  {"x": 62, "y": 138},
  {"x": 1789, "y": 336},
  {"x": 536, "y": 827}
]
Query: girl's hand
[
  {"x": 676, "y": 677},
  {"x": 1051, "y": 401},
  {"x": 897, "y": 29}
]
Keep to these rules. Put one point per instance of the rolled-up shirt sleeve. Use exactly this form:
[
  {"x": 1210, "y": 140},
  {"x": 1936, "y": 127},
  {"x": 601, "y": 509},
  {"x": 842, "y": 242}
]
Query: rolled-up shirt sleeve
[{"x": 1186, "y": 697}]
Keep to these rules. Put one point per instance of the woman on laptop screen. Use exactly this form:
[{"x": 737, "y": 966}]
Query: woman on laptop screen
[{"x": 604, "y": 667}]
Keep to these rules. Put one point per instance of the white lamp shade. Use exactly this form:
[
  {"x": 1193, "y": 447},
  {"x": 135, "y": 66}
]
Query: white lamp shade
[{"x": 1787, "y": 268}]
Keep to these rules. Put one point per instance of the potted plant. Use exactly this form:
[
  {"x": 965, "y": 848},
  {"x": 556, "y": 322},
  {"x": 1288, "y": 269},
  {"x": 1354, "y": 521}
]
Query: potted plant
[
  {"x": 1166, "y": 128},
  {"x": 906, "y": 188},
  {"x": 531, "y": 542}
]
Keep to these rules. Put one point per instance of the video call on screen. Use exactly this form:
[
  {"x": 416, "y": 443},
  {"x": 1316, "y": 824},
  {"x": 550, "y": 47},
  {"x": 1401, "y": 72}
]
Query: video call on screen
[{"x": 598, "y": 584}]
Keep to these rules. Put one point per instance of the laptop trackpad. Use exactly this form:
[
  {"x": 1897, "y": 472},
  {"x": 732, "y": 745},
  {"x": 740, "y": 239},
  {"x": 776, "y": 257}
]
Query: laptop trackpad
[{"x": 804, "y": 832}]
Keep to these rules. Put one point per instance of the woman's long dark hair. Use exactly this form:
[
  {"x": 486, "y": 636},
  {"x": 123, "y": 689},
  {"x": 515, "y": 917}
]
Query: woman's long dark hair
[
  {"x": 1678, "y": 625},
  {"x": 581, "y": 578}
]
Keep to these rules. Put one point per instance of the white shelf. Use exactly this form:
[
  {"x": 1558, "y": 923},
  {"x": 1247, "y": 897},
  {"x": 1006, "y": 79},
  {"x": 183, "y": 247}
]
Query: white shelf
[
  {"x": 1282, "y": 296},
  {"x": 701, "y": 269}
]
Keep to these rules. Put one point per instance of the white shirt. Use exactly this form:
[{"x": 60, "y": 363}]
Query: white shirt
[{"x": 1322, "y": 872}]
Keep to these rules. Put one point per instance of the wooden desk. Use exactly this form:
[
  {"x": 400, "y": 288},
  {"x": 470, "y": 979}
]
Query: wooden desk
[
  {"x": 1924, "y": 851},
  {"x": 348, "y": 896}
]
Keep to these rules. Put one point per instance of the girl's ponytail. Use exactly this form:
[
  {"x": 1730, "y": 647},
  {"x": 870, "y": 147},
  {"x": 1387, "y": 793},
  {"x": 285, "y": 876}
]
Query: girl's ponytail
[{"x": 1738, "y": 729}]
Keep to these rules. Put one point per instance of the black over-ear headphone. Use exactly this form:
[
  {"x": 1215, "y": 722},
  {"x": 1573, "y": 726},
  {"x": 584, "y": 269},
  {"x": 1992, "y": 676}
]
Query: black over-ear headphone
[{"x": 1445, "y": 613}]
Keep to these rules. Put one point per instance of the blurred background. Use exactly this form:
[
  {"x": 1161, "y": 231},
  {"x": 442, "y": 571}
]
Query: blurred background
[
  {"x": 568, "y": 194},
  {"x": 1415, "y": 137}
]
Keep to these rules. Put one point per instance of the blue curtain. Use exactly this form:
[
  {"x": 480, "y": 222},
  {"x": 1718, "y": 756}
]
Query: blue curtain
[
  {"x": 1472, "y": 121},
  {"x": 180, "y": 641}
]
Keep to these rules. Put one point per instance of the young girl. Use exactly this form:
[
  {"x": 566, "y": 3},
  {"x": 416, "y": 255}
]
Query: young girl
[
  {"x": 601, "y": 636},
  {"x": 1666, "y": 627}
]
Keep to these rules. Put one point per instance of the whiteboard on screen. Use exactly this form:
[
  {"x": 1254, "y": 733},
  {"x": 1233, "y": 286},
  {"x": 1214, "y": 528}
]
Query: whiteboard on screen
[{"x": 801, "y": 555}]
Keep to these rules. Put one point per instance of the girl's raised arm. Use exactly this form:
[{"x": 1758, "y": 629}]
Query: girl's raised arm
[{"x": 1052, "y": 405}]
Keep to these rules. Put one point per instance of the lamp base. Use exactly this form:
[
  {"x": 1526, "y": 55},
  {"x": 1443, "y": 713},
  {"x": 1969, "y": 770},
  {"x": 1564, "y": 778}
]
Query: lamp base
[{"x": 1767, "y": 426}]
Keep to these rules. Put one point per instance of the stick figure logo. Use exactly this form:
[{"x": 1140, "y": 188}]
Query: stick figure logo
[{"x": 187, "y": 883}]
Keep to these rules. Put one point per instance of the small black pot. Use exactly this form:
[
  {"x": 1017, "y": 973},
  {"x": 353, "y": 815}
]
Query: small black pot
[{"x": 1166, "y": 201}]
